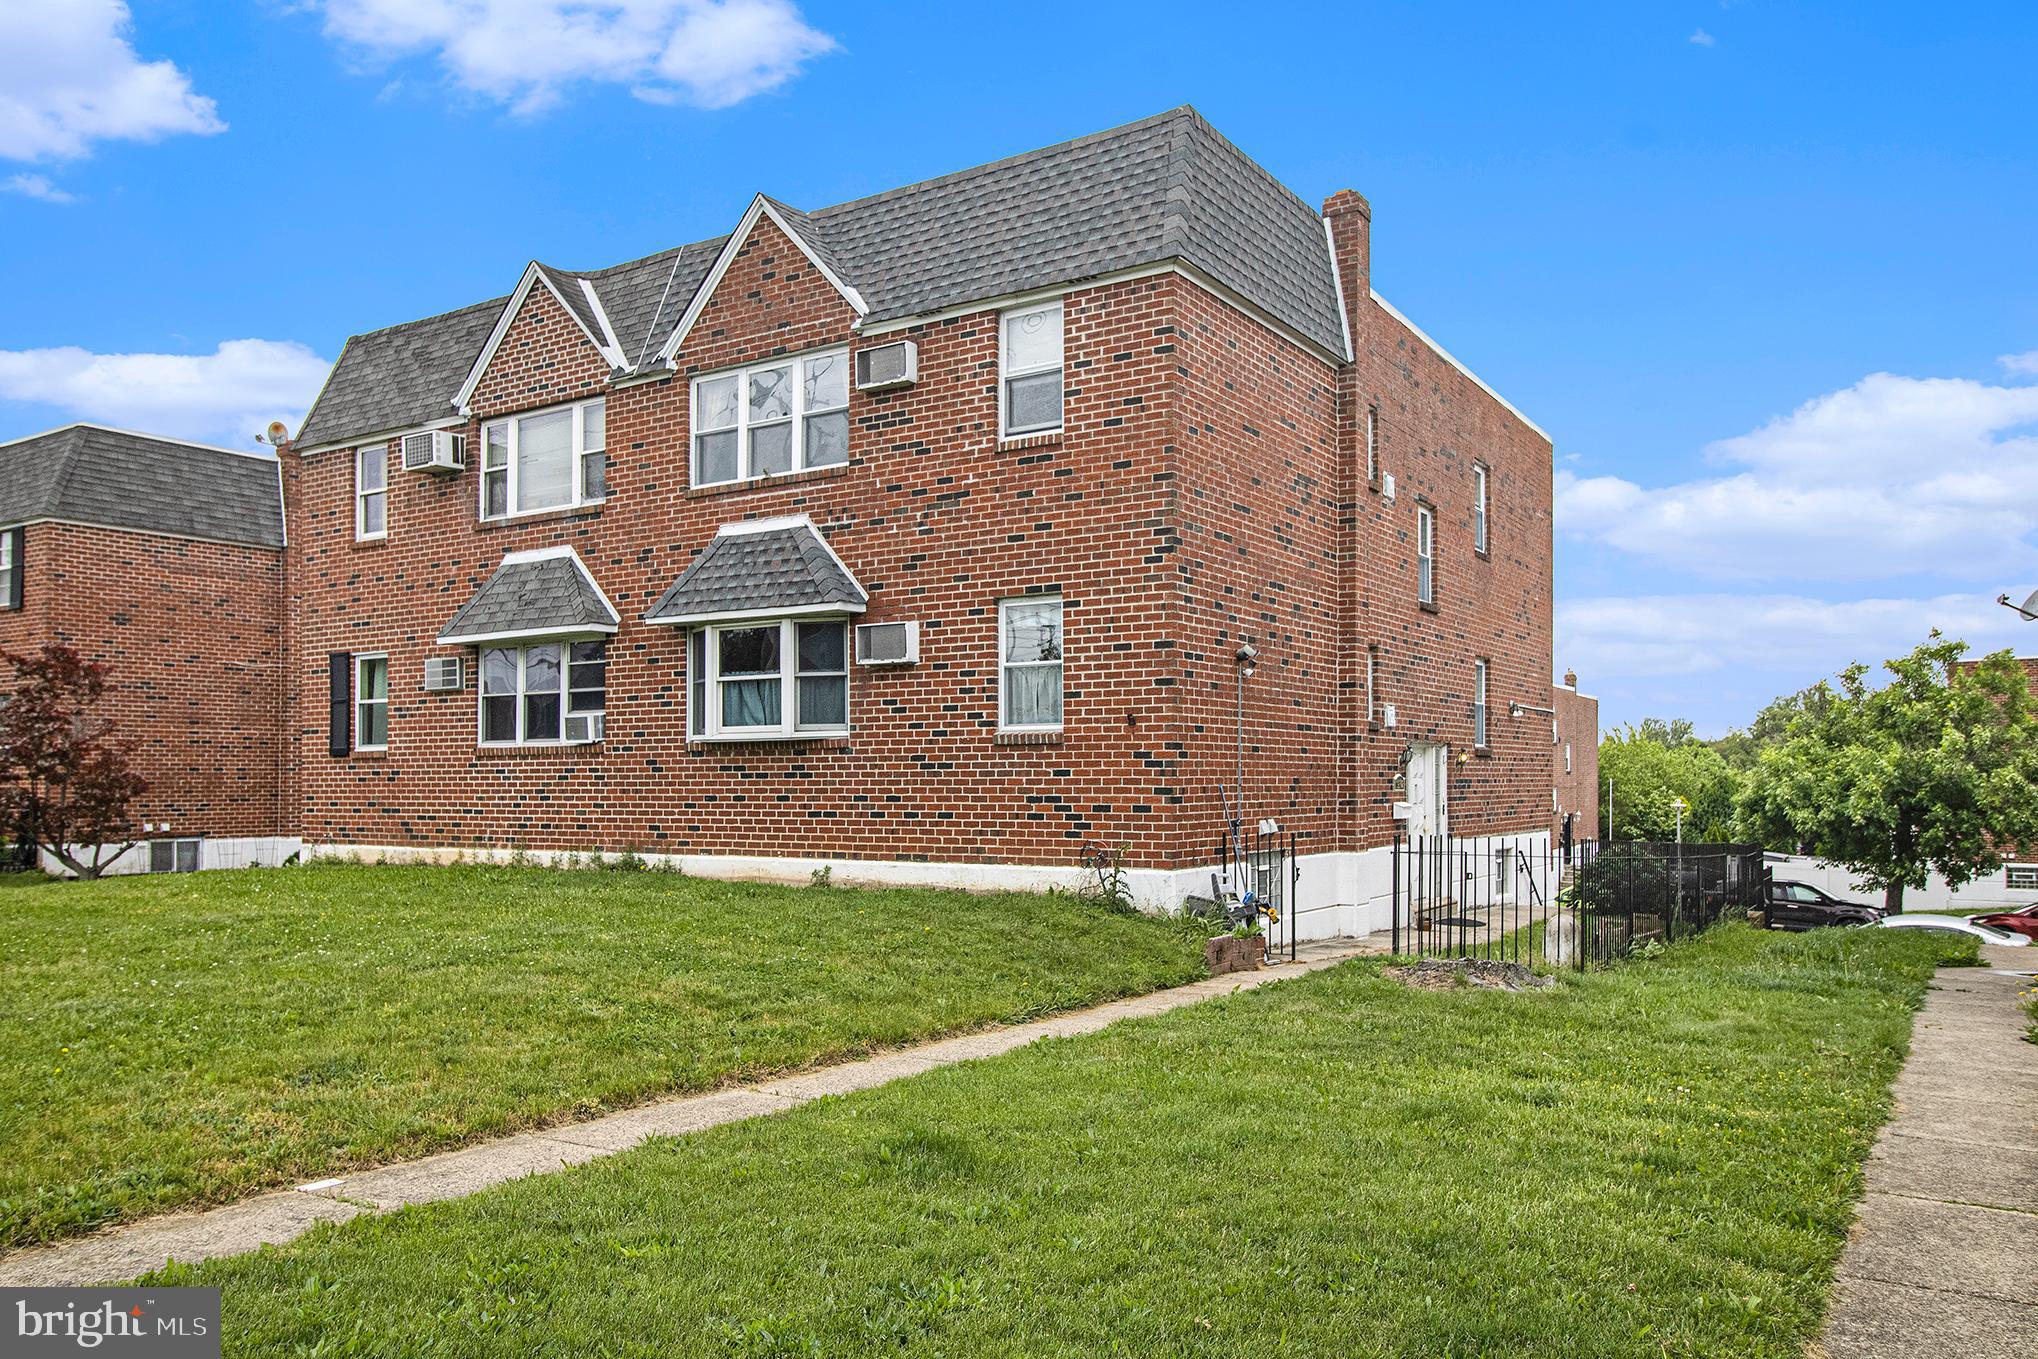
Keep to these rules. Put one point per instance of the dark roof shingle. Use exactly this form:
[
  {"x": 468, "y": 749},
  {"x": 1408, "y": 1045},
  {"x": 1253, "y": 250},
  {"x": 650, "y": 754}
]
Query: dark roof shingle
[
  {"x": 89, "y": 474},
  {"x": 1164, "y": 188},
  {"x": 532, "y": 594},
  {"x": 760, "y": 568}
]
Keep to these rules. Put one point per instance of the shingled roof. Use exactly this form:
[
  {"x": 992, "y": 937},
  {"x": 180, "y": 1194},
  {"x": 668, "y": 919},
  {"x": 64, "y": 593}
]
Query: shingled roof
[
  {"x": 89, "y": 474},
  {"x": 543, "y": 593},
  {"x": 763, "y": 568},
  {"x": 1166, "y": 188}
]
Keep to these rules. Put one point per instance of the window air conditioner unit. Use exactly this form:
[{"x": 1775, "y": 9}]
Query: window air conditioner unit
[
  {"x": 887, "y": 643},
  {"x": 443, "y": 674},
  {"x": 887, "y": 365},
  {"x": 584, "y": 726},
  {"x": 434, "y": 450}
]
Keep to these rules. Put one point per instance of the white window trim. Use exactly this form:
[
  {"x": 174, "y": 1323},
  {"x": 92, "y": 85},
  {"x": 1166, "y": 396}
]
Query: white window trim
[
  {"x": 1567, "y": 757},
  {"x": 798, "y": 418},
  {"x": 1482, "y": 717},
  {"x": 361, "y": 455},
  {"x": 578, "y": 454},
  {"x": 1062, "y": 664},
  {"x": 1372, "y": 445},
  {"x": 1425, "y": 554},
  {"x": 707, "y": 725},
  {"x": 1480, "y": 540},
  {"x": 361, "y": 658},
  {"x": 1372, "y": 684},
  {"x": 1006, "y": 373},
  {"x": 2009, "y": 882},
  {"x": 481, "y": 694}
]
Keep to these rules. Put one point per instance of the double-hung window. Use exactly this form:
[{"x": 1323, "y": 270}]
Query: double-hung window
[
  {"x": 371, "y": 491},
  {"x": 772, "y": 419},
  {"x": 1425, "y": 555},
  {"x": 371, "y": 702},
  {"x": 1372, "y": 683},
  {"x": 1479, "y": 704},
  {"x": 1029, "y": 664},
  {"x": 1029, "y": 365},
  {"x": 769, "y": 680},
  {"x": 547, "y": 460},
  {"x": 545, "y": 693},
  {"x": 1373, "y": 445},
  {"x": 1479, "y": 507},
  {"x": 10, "y": 568}
]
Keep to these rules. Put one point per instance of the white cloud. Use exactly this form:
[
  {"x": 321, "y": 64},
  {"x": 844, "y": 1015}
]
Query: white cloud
[
  {"x": 1700, "y": 633},
  {"x": 70, "y": 77},
  {"x": 37, "y": 186},
  {"x": 529, "y": 53},
  {"x": 226, "y": 396},
  {"x": 1888, "y": 477},
  {"x": 2020, "y": 365},
  {"x": 1701, "y": 38}
]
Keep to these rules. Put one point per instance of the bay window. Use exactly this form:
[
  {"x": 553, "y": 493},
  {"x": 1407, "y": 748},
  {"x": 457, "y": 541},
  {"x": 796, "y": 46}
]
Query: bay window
[
  {"x": 546, "y": 460},
  {"x": 1029, "y": 664},
  {"x": 545, "y": 693},
  {"x": 771, "y": 419},
  {"x": 1029, "y": 368},
  {"x": 769, "y": 680}
]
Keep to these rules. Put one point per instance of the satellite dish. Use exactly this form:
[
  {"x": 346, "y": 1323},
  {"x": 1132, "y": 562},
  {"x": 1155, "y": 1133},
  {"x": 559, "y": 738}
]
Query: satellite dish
[
  {"x": 2029, "y": 608},
  {"x": 278, "y": 432}
]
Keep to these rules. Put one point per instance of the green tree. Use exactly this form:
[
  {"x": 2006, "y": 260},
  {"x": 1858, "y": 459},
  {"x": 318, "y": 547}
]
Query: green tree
[
  {"x": 1741, "y": 749},
  {"x": 1937, "y": 770},
  {"x": 1650, "y": 766}
]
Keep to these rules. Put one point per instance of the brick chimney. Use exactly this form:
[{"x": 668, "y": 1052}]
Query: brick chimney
[{"x": 1351, "y": 233}]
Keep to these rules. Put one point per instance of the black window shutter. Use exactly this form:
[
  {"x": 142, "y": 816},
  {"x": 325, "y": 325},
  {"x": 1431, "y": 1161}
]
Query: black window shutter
[
  {"x": 18, "y": 546},
  {"x": 340, "y": 666}
]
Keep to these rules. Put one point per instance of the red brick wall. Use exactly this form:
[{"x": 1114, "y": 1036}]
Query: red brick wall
[
  {"x": 1578, "y": 791},
  {"x": 1202, "y": 492},
  {"x": 193, "y": 632}
]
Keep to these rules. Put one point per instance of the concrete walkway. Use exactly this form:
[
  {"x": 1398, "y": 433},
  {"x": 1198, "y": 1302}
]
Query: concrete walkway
[
  {"x": 124, "y": 1252},
  {"x": 1943, "y": 1258}
]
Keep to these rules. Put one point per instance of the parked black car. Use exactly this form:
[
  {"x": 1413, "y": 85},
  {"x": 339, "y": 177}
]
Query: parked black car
[{"x": 1801, "y": 906}]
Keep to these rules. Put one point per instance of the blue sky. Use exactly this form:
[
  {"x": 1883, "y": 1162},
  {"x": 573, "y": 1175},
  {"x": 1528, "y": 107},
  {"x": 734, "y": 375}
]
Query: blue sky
[{"x": 1764, "y": 270}]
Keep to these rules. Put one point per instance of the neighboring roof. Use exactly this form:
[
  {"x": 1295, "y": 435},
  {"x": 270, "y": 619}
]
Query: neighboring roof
[
  {"x": 1165, "y": 188},
  {"x": 544, "y": 593},
  {"x": 761, "y": 569},
  {"x": 400, "y": 378},
  {"x": 91, "y": 474}
]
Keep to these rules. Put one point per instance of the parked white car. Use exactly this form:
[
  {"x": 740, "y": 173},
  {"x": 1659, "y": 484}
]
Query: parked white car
[{"x": 1955, "y": 924}]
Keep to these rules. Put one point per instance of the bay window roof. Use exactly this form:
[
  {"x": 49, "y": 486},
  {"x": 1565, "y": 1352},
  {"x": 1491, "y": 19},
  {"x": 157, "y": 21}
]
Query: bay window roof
[
  {"x": 765, "y": 568},
  {"x": 533, "y": 595}
]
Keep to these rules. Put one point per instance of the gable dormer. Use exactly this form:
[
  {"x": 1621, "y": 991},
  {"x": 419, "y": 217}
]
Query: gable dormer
[
  {"x": 553, "y": 343},
  {"x": 775, "y": 288}
]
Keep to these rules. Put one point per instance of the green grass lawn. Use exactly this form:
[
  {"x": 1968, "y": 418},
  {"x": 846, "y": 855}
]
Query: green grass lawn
[
  {"x": 178, "y": 1039},
  {"x": 1655, "y": 1160}
]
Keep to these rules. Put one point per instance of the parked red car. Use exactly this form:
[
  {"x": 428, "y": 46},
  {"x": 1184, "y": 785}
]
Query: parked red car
[{"x": 2023, "y": 921}]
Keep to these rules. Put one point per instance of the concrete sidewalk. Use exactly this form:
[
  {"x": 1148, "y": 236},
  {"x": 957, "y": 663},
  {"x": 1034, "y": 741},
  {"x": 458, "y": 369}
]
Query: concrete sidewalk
[
  {"x": 124, "y": 1252},
  {"x": 1943, "y": 1258}
]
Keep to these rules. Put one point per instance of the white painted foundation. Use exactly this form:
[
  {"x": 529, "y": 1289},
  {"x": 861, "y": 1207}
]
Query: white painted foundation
[{"x": 245, "y": 851}]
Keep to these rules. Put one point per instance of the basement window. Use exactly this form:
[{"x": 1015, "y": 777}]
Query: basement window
[
  {"x": 2021, "y": 877},
  {"x": 173, "y": 856}
]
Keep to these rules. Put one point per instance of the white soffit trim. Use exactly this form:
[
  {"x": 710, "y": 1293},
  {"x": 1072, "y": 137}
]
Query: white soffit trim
[
  {"x": 760, "y": 206},
  {"x": 532, "y": 274},
  {"x": 612, "y": 350},
  {"x": 773, "y": 611},
  {"x": 1452, "y": 360},
  {"x": 537, "y": 635}
]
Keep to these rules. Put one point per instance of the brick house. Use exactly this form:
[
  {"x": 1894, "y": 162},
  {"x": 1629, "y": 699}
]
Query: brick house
[
  {"x": 1574, "y": 761},
  {"x": 163, "y": 559},
  {"x": 920, "y": 535}
]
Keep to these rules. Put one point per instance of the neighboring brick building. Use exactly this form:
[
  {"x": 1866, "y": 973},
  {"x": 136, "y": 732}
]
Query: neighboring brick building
[
  {"x": 1574, "y": 758},
  {"x": 163, "y": 559},
  {"x": 1149, "y": 410}
]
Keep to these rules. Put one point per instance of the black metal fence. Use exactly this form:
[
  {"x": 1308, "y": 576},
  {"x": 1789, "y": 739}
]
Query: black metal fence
[
  {"x": 1510, "y": 899},
  {"x": 1263, "y": 875}
]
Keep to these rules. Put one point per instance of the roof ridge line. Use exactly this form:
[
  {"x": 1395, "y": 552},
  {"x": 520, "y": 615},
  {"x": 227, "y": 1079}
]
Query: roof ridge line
[{"x": 1178, "y": 111}]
